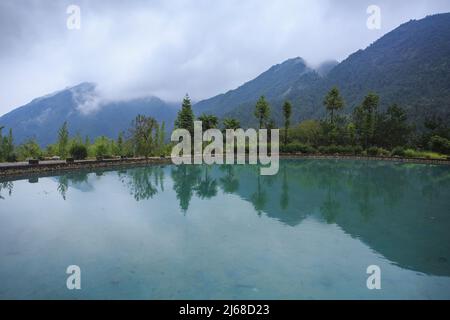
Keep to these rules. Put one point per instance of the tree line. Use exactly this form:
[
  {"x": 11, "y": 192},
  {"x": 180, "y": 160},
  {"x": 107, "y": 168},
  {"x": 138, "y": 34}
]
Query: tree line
[
  {"x": 366, "y": 131},
  {"x": 145, "y": 137}
]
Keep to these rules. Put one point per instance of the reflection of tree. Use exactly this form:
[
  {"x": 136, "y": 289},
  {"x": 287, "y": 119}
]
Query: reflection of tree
[
  {"x": 78, "y": 177},
  {"x": 368, "y": 182},
  {"x": 330, "y": 208},
  {"x": 7, "y": 185},
  {"x": 259, "y": 198},
  {"x": 185, "y": 178},
  {"x": 229, "y": 182},
  {"x": 363, "y": 190},
  {"x": 63, "y": 186},
  {"x": 284, "y": 200},
  {"x": 161, "y": 179},
  {"x": 437, "y": 180},
  {"x": 74, "y": 178},
  {"x": 206, "y": 187},
  {"x": 144, "y": 182},
  {"x": 330, "y": 179}
]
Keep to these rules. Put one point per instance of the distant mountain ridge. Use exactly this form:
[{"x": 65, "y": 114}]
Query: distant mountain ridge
[
  {"x": 274, "y": 82},
  {"x": 409, "y": 66},
  {"x": 86, "y": 113}
]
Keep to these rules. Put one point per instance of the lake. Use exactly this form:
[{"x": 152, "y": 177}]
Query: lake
[{"x": 225, "y": 232}]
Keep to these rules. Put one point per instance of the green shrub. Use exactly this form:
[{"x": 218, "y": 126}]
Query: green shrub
[
  {"x": 375, "y": 151},
  {"x": 328, "y": 149},
  {"x": 383, "y": 152},
  {"x": 372, "y": 151},
  {"x": 29, "y": 150},
  {"x": 323, "y": 149},
  {"x": 358, "y": 150},
  {"x": 11, "y": 158},
  {"x": 78, "y": 152},
  {"x": 101, "y": 151},
  {"x": 334, "y": 149},
  {"x": 398, "y": 151},
  {"x": 440, "y": 144},
  {"x": 432, "y": 155},
  {"x": 410, "y": 153},
  {"x": 346, "y": 150},
  {"x": 297, "y": 147}
]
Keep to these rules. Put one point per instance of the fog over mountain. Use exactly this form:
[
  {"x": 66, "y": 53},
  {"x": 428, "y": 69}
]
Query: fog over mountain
[
  {"x": 86, "y": 112},
  {"x": 167, "y": 48}
]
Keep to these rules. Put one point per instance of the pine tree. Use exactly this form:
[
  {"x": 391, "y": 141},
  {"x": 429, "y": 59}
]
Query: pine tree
[
  {"x": 287, "y": 112},
  {"x": 231, "y": 123},
  {"x": 120, "y": 147},
  {"x": 333, "y": 102},
  {"x": 6, "y": 146},
  {"x": 2, "y": 156},
  {"x": 208, "y": 121},
  {"x": 63, "y": 140},
  {"x": 185, "y": 118},
  {"x": 392, "y": 128},
  {"x": 262, "y": 111},
  {"x": 365, "y": 119},
  {"x": 159, "y": 139}
]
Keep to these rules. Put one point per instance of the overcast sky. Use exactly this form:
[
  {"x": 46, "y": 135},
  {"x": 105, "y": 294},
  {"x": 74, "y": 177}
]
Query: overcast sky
[{"x": 167, "y": 48}]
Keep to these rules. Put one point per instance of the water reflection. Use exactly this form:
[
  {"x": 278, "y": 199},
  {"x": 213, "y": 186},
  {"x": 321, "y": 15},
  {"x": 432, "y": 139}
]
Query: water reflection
[
  {"x": 229, "y": 182},
  {"x": 399, "y": 210},
  {"x": 143, "y": 183},
  {"x": 8, "y": 187},
  {"x": 78, "y": 180},
  {"x": 185, "y": 180},
  {"x": 206, "y": 187},
  {"x": 259, "y": 197},
  {"x": 284, "y": 199},
  {"x": 394, "y": 208}
]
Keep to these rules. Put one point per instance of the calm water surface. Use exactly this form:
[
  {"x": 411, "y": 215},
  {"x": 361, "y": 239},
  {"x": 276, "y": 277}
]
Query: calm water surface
[{"x": 224, "y": 232}]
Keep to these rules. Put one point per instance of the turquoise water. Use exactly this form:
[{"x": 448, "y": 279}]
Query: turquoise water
[{"x": 225, "y": 232}]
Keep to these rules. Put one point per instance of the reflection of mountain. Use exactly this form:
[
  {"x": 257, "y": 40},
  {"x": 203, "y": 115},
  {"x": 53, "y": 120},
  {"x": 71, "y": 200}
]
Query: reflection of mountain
[
  {"x": 386, "y": 206},
  {"x": 398, "y": 210},
  {"x": 393, "y": 208}
]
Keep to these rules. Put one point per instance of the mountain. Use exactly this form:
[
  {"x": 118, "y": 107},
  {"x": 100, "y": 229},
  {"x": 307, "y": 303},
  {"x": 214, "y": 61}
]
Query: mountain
[
  {"x": 86, "y": 113},
  {"x": 409, "y": 66},
  {"x": 275, "y": 84}
]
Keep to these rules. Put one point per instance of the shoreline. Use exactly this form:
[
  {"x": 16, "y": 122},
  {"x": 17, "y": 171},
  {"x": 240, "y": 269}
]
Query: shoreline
[{"x": 25, "y": 170}]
